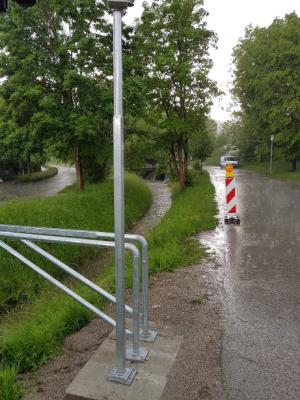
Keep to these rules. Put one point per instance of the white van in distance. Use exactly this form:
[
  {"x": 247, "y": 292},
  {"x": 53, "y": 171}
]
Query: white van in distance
[{"x": 224, "y": 160}]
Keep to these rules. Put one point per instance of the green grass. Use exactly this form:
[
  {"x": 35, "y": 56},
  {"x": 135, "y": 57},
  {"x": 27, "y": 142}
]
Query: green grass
[
  {"x": 171, "y": 243},
  {"x": 91, "y": 209},
  {"x": 37, "y": 335},
  {"x": 38, "y": 176},
  {"x": 198, "y": 300},
  {"x": 38, "y": 328},
  {"x": 8, "y": 388},
  {"x": 280, "y": 170}
]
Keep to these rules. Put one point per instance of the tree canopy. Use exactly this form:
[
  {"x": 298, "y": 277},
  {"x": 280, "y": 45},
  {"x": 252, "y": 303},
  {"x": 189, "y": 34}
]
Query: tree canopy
[
  {"x": 57, "y": 94},
  {"x": 267, "y": 85},
  {"x": 172, "y": 43}
]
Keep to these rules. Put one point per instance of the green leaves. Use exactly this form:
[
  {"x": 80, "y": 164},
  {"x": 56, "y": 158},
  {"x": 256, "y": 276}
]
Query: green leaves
[
  {"x": 57, "y": 93},
  {"x": 267, "y": 85},
  {"x": 171, "y": 44}
]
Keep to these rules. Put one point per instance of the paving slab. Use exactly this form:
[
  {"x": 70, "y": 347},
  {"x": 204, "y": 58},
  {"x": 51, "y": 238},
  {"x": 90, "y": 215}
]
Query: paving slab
[{"x": 149, "y": 383}]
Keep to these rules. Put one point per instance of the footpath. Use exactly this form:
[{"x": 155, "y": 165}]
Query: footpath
[{"x": 183, "y": 303}]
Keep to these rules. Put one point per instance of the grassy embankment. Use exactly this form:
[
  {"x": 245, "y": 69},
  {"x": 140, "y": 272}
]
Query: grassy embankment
[
  {"x": 44, "y": 316},
  {"x": 38, "y": 176},
  {"x": 30, "y": 342},
  {"x": 280, "y": 170}
]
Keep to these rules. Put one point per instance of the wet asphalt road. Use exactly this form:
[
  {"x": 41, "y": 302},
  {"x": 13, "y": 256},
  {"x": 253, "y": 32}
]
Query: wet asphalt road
[
  {"x": 47, "y": 187},
  {"x": 260, "y": 270}
]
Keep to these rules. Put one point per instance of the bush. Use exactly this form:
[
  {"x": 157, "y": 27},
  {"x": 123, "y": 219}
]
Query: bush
[{"x": 38, "y": 176}]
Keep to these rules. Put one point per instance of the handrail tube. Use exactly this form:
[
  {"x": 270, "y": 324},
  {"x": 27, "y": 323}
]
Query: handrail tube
[
  {"x": 74, "y": 273},
  {"x": 58, "y": 284},
  {"x": 89, "y": 242},
  {"x": 95, "y": 235},
  {"x": 58, "y": 239}
]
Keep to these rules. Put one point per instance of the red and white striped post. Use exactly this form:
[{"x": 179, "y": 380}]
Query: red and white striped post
[{"x": 231, "y": 216}]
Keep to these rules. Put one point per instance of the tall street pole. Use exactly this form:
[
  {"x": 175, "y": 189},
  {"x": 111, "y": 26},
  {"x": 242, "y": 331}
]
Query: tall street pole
[
  {"x": 119, "y": 373},
  {"x": 271, "y": 154}
]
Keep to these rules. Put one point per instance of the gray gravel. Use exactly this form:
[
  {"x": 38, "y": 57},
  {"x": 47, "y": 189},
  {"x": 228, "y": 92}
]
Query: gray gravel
[{"x": 161, "y": 203}]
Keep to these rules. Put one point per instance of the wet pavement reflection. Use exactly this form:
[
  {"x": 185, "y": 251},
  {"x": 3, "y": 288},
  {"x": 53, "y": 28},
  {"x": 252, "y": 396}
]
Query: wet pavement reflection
[
  {"x": 260, "y": 271},
  {"x": 46, "y": 187}
]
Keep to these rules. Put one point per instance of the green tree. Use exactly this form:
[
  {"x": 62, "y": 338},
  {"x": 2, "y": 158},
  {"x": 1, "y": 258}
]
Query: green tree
[
  {"x": 267, "y": 85},
  {"x": 202, "y": 146},
  {"x": 20, "y": 93},
  {"x": 172, "y": 43},
  {"x": 229, "y": 133},
  {"x": 65, "y": 46}
]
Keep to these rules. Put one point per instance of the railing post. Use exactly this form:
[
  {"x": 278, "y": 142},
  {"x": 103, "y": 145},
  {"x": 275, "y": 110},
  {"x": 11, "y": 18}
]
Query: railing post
[
  {"x": 135, "y": 352},
  {"x": 119, "y": 373}
]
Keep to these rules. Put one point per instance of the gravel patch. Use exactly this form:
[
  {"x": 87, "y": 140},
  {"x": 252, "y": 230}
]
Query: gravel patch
[{"x": 188, "y": 302}]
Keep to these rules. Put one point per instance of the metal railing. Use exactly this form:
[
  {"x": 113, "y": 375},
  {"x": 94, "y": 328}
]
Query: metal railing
[
  {"x": 24, "y": 234},
  {"x": 146, "y": 334}
]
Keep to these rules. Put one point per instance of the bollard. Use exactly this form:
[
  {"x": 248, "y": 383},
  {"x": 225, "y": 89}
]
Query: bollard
[{"x": 231, "y": 216}]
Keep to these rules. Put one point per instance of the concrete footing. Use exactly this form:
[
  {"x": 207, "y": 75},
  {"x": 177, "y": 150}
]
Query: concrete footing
[{"x": 149, "y": 383}]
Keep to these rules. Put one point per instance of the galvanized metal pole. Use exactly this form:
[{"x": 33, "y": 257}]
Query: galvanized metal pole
[
  {"x": 120, "y": 373},
  {"x": 119, "y": 192},
  {"x": 271, "y": 155}
]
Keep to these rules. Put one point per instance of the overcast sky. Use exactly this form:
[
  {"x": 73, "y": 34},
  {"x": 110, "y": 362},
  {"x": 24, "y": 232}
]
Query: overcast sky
[{"x": 228, "y": 18}]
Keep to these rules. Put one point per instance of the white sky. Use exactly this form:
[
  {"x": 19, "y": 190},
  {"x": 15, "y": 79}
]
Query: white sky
[{"x": 228, "y": 18}]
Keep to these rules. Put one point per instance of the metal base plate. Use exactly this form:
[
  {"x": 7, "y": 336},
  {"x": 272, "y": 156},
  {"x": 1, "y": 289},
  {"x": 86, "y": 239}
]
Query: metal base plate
[
  {"x": 140, "y": 357},
  {"x": 232, "y": 219},
  {"x": 149, "y": 337},
  {"x": 125, "y": 379}
]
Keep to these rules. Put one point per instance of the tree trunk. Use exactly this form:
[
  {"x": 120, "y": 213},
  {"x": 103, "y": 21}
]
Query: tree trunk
[
  {"x": 294, "y": 165},
  {"x": 180, "y": 160},
  {"x": 181, "y": 176},
  {"x": 182, "y": 167},
  {"x": 78, "y": 168},
  {"x": 28, "y": 167}
]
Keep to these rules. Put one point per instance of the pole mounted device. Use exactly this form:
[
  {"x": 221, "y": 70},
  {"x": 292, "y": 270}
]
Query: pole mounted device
[
  {"x": 119, "y": 4},
  {"x": 119, "y": 373}
]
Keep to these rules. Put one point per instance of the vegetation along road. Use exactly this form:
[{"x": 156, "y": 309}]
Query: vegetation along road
[
  {"x": 237, "y": 311},
  {"x": 259, "y": 266}
]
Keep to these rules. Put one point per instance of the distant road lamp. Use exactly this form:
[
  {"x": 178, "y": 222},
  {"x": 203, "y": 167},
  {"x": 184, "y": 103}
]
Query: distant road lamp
[{"x": 271, "y": 154}]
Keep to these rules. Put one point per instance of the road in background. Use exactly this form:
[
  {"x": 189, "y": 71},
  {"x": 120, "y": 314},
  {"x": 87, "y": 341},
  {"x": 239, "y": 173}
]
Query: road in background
[
  {"x": 260, "y": 267},
  {"x": 43, "y": 188}
]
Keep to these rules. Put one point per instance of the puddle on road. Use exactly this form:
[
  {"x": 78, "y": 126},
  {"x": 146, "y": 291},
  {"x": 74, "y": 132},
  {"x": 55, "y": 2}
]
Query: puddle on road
[
  {"x": 221, "y": 244},
  {"x": 215, "y": 240}
]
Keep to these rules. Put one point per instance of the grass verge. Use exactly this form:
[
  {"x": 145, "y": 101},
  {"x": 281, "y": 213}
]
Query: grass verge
[
  {"x": 171, "y": 243},
  {"x": 38, "y": 176},
  {"x": 280, "y": 170},
  {"x": 8, "y": 388},
  {"x": 91, "y": 209},
  {"x": 37, "y": 336}
]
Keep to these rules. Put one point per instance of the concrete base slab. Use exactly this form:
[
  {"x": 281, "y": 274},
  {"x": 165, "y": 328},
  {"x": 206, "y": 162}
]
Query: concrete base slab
[{"x": 149, "y": 383}]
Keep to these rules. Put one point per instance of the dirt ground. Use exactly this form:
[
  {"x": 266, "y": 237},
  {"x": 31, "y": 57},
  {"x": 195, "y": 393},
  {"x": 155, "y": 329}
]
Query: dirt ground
[{"x": 187, "y": 301}]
